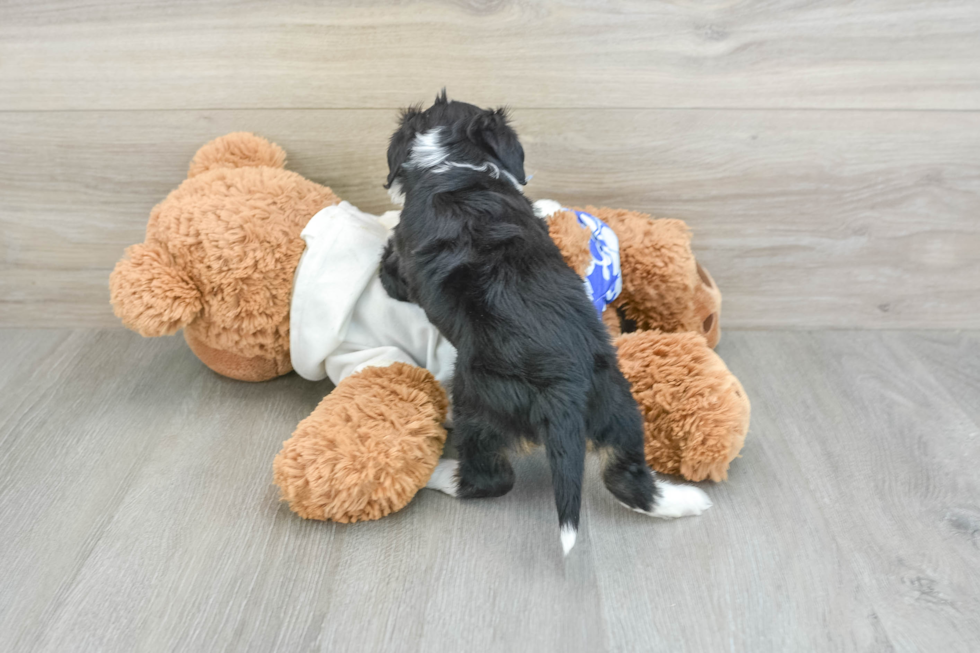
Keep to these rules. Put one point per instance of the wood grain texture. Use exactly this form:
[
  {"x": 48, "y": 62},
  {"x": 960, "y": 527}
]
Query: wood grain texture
[
  {"x": 954, "y": 360},
  {"x": 805, "y": 218},
  {"x": 139, "y": 516},
  {"x": 167, "y": 54},
  {"x": 890, "y": 459},
  {"x": 70, "y": 445}
]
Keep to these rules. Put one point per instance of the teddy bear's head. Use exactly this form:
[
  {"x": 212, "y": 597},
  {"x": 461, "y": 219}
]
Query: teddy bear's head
[
  {"x": 663, "y": 286},
  {"x": 219, "y": 257}
]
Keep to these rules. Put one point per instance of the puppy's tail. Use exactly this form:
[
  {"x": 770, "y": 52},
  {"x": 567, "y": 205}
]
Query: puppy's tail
[{"x": 564, "y": 441}]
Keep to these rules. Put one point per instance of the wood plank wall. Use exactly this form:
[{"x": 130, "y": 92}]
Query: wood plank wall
[{"x": 826, "y": 154}]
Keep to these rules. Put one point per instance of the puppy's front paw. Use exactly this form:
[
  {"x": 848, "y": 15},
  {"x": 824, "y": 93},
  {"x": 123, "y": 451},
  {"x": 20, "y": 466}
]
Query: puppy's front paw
[
  {"x": 544, "y": 209},
  {"x": 679, "y": 501},
  {"x": 444, "y": 477}
]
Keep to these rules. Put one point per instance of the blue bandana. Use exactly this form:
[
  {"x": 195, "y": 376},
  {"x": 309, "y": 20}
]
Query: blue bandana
[{"x": 603, "y": 279}]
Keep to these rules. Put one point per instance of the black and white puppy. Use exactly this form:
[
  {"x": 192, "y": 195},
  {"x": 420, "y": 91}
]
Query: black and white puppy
[{"x": 534, "y": 360}]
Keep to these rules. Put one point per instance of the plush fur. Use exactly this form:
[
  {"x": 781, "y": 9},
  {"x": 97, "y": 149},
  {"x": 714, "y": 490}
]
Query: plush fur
[
  {"x": 535, "y": 362},
  {"x": 696, "y": 414},
  {"x": 212, "y": 266},
  {"x": 219, "y": 259},
  {"x": 384, "y": 442},
  {"x": 696, "y": 411}
]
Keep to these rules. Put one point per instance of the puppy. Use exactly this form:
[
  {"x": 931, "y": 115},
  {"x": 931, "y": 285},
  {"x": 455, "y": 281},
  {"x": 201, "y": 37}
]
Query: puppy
[{"x": 534, "y": 361}]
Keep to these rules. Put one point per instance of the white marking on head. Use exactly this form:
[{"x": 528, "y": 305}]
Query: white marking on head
[
  {"x": 546, "y": 208},
  {"x": 428, "y": 153},
  {"x": 396, "y": 193},
  {"x": 444, "y": 477},
  {"x": 427, "y": 150},
  {"x": 487, "y": 167},
  {"x": 512, "y": 179},
  {"x": 568, "y": 535}
]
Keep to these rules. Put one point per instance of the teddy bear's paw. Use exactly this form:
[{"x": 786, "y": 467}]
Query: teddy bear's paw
[
  {"x": 444, "y": 477},
  {"x": 367, "y": 448},
  {"x": 678, "y": 501},
  {"x": 696, "y": 413}
]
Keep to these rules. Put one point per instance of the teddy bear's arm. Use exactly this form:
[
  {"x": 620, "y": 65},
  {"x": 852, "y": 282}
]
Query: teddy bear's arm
[{"x": 367, "y": 448}]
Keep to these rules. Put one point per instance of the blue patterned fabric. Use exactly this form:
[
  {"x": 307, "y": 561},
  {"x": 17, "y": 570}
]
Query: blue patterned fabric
[{"x": 603, "y": 278}]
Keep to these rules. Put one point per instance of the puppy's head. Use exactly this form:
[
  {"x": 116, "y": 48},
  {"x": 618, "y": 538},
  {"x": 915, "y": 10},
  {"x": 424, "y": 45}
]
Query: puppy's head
[{"x": 456, "y": 132}]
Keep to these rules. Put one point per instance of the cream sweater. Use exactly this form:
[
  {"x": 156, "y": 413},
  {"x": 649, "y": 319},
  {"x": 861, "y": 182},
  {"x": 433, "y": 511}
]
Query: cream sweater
[{"x": 341, "y": 318}]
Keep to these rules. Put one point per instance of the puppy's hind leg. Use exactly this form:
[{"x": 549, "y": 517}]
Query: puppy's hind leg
[
  {"x": 483, "y": 470},
  {"x": 444, "y": 477},
  {"x": 628, "y": 478},
  {"x": 678, "y": 501}
]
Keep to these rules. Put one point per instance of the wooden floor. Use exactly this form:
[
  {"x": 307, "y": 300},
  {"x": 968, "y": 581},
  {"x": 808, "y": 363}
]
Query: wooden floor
[
  {"x": 825, "y": 154},
  {"x": 138, "y": 514}
]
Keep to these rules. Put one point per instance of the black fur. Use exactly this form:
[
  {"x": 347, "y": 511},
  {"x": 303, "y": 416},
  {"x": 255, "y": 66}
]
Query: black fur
[{"x": 534, "y": 361}]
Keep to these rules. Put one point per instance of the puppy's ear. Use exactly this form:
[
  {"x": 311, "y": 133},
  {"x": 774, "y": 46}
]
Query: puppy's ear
[
  {"x": 401, "y": 141},
  {"x": 492, "y": 131},
  {"x": 442, "y": 98}
]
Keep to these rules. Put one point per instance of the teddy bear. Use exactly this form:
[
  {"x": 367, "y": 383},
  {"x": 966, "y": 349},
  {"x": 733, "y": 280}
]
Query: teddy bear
[{"x": 266, "y": 271}]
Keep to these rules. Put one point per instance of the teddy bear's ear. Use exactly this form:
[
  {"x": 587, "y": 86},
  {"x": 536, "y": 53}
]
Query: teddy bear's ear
[
  {"x": 150, "y": 295},
  {"x": 237, "y": 150}
]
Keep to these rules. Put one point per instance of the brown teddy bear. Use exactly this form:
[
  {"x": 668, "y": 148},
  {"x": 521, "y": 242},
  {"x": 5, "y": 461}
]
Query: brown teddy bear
[
  {"x": 232, "y": 255},
  {"x": 665, "y": 322}
]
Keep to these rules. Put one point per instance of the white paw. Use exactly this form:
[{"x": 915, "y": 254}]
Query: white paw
[
  {"x": 679, "y": 501},
  {"x": 444, "y": 477},
  {"x": 546, "y": 208}
]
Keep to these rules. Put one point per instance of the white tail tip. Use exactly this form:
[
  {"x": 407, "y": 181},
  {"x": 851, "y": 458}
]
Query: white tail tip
[{"x": 568, "y": 534}]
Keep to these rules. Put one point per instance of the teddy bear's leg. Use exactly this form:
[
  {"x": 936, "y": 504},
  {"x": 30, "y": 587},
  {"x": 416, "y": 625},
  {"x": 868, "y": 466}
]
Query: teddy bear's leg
[
  {"x": 367, "y": 448},
  {"x": 696, "y": 413},
  {"x": 620, "y": 438}
]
